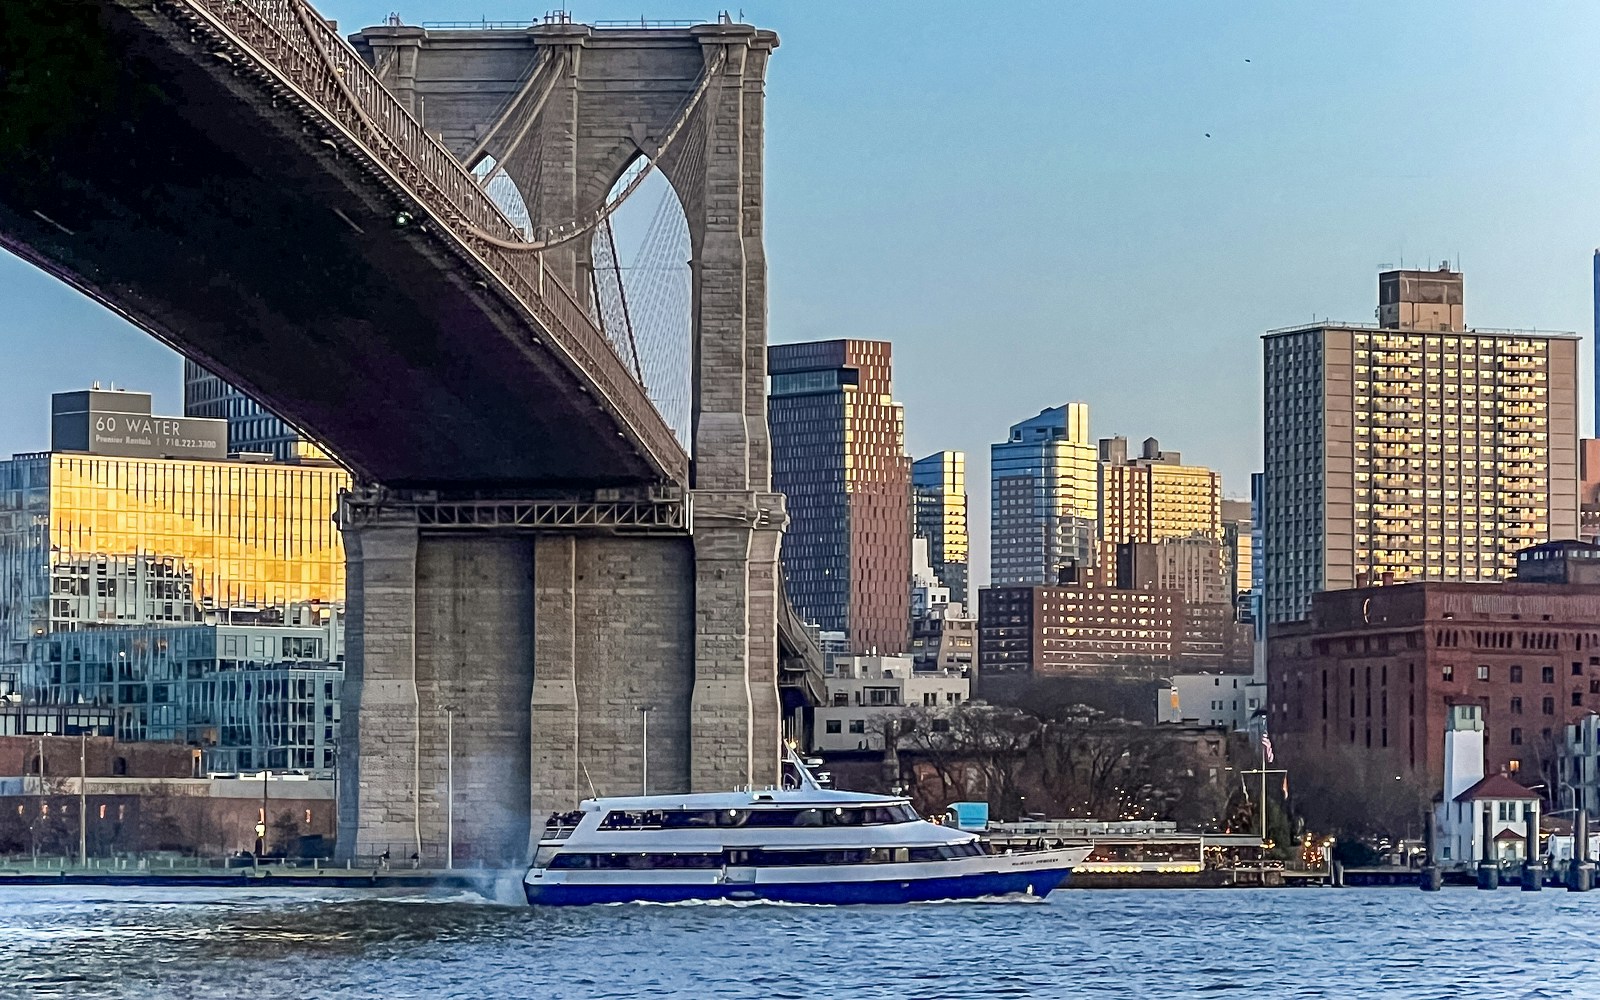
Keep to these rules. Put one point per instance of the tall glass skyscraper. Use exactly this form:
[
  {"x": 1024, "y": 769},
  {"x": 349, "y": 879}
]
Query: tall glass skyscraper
[
  {"x": 838, "y": 454},
  {"x": 251, "y": 427},
  {"x": 939, "y": 490},
  {"x": 1043, "y": 498}
]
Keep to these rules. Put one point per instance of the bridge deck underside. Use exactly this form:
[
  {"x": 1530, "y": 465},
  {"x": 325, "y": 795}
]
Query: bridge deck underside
[{"x": 165, "y": 182}]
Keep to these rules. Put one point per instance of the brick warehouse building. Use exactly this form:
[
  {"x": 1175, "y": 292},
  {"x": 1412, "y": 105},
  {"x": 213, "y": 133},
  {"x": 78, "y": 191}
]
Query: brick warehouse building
[{"x": 1378, "y": 668}]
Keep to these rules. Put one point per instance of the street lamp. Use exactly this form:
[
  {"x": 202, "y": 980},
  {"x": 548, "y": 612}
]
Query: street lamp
[
  {"x": 644, "y": 752},
  {"x": 450, "y": 786}
]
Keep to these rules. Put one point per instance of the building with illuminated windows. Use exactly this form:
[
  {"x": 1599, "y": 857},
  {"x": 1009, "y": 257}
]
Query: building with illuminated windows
[
  {"x": 103, "y": 530},
  {"x": 1079, "y": 626},
  {"x": 1154, "y": 496},
  {"x": 1417, "y": 449},
  {"x": 252, "y": 429},
  {"x": 1043, "y": 498},
  {"x": 939, "y": 493},
  {"x": 838, "y": 455}
]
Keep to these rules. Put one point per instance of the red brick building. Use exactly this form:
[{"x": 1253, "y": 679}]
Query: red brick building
[{"x": 1377, "y": 668}]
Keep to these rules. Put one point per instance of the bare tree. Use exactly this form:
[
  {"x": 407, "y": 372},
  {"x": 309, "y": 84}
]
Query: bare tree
[
  {"x": 1356, "y": 795},
  {"x": 973, "y": 750}
]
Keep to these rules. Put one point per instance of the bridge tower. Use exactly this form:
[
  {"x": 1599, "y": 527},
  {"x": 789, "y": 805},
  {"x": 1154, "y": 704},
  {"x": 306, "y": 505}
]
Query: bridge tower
[
  {"x": 536, "y": 559},
  {"x": 541, "y": 641}
]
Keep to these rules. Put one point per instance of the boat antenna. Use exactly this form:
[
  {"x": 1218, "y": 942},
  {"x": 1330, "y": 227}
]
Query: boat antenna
[
  {"x": 592, "y": 793},
  {"x": 807, "y": 779}
]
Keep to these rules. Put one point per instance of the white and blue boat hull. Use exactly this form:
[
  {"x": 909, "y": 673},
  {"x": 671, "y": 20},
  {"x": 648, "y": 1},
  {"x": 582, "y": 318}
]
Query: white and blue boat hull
[{"x": 1035, "y": 875}]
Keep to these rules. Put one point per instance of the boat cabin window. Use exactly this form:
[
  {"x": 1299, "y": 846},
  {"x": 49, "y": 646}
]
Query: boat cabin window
[
  {"x": 765, "y": 858},
  {"x": 947, "y": 852},
  {"x": 679, "y": 819},
  {"x": 636, "y": 861}
]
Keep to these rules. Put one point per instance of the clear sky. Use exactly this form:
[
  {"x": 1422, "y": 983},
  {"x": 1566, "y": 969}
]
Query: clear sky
[{"x": 1024, "y": 199}]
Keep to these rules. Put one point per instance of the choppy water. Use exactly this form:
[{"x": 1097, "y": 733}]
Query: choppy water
[{"x": 1393, "y": 943}]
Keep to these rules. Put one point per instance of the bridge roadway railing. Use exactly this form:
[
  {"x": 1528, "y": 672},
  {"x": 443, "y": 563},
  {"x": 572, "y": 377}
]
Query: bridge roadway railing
[{"x": 296, "y": 44}]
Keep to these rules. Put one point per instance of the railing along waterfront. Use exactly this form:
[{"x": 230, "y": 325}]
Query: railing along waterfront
[{"x": 291, "y": 40}]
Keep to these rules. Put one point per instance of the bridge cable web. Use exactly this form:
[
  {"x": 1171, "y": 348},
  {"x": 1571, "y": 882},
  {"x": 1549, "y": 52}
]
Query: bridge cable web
[
  {"x": 645, "y": 281},
  {"x": 611, "y": 305}
]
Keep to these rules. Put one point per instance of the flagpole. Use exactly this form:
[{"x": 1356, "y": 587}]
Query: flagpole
[{"x": 1263, "y": 748}]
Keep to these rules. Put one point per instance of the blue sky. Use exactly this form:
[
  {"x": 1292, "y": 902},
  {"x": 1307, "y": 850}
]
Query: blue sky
[{"x": 1027, "y": 204}]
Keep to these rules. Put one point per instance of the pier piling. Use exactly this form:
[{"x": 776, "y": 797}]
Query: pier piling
[
  {"x": 1430, "y": 879},
  {"x": 1580, "y": 877},
  {"x": 1532, "y": 870}
]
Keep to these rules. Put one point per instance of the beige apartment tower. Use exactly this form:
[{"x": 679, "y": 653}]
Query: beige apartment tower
[
  {"x": 1417, "y": 449},
  {"x": 1153, "y": 496}
]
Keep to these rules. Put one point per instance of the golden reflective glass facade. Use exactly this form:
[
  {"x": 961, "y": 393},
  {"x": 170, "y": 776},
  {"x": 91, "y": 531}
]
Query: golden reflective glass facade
[
  {"x": 939, "y": 488},
  {"x": 98, "y": 540},
  {"x": 1043, "y": 498}
]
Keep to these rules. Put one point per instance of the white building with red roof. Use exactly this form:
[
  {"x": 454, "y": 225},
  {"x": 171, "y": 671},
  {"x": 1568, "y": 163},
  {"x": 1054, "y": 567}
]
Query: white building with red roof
[{"x": 1474, "y": 806}]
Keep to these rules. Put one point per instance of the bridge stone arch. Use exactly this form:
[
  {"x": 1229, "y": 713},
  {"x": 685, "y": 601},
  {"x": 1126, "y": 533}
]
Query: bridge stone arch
[{"x": 565, "y": 108}]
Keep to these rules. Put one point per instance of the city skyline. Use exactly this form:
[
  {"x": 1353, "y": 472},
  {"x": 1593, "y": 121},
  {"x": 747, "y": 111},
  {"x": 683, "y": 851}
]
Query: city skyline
[{"x": 1281, "y": 231}]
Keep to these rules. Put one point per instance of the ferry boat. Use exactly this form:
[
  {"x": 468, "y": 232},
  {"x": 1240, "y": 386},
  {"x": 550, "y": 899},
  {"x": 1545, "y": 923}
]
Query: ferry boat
[{"x": 805, "y": 844}]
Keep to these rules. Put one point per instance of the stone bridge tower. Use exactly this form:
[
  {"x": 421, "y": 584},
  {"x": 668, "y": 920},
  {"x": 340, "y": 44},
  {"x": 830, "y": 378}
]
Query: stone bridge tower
[{"x": 539, "y": 646}]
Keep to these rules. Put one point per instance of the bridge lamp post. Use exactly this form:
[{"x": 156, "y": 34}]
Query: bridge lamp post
[
  {"x": 644, "y": 753},
  {"x": 450, "y": 786}
]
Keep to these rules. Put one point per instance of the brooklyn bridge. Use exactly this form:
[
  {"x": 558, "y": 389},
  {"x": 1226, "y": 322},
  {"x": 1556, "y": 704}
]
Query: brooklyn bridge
[{"x": 402, "y": 242}]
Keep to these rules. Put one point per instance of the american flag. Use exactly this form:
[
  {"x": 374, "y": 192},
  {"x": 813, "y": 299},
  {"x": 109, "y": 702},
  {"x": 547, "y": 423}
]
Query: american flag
[{"x": 1266, "y": 746}]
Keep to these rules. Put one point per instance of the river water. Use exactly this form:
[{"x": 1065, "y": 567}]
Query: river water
[{"x": 153, "y": 944}]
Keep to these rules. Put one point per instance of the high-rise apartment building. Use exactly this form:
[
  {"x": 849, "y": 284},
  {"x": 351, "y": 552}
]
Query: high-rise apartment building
[
  {"x": 1154, "y": 496},
  {"x": 1191, "y": 565},
  {"x": 1418, "y": 449},
  {"x": 252, "y": 429},
  {"x": 1589, "y": 489},
  {"x": 838, "y": 454},
  {"x": 1043, "y": 498},
  {"x": 939, "y": 493},
  {"x": 102, "y": 530},
  {"x": 1238, "y": 530}
]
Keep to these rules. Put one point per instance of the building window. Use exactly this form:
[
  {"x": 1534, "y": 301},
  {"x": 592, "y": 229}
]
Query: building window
[
  {"x": 1547, "y": 674},
  {"x": 1516, "y": 737},
  {"x": 1516, "y": 674},
  {"x": 1483, "y": 672},
  {"x": 1549, "y": 706},
  {"x": 1515, "y": 765},
  {"x": 832, "y": 726},
  {"x": 860, "y": 725},
  {"x": 1449, "y": 672},
  {"x": 1516, "y": 706},
  {"x": 1577, "y": 699}
]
